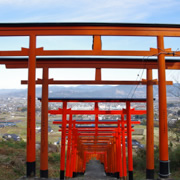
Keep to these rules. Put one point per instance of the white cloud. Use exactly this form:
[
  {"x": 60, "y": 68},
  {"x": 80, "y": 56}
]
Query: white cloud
[
  {"x": 97, "y": 11},
  {"x": 110, "y": 11},
  {"x": 87, "y": 10},
  {"x": 27, "y": 2}
]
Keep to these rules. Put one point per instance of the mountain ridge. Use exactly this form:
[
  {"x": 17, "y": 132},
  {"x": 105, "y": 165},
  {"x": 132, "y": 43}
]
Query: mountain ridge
[{"x": 119, "y": 91}]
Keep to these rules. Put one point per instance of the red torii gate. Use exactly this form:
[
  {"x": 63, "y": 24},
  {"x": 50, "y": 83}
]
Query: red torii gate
[
  {"x": 149, "y": 82},
  {"x": 128, "y": 112},
  {"x": 33, "y": 30}
]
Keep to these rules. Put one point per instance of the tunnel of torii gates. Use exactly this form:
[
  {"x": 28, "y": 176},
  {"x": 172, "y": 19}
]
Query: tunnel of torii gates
[{"x": 33, "y": 57}]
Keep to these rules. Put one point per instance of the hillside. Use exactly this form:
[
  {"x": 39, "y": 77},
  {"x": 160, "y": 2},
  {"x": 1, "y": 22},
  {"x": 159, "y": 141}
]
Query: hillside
[{"x": 121, "y": 91}]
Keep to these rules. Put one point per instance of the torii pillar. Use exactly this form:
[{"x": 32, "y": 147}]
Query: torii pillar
[
  {"x": 44, "y": 126},
  {"x": 31, "y": 113},
  {"x": 63, "y": 141},
  {"x": 129, "y": 140},
  {"x": 164, "y": 168},
  {"x": 150, "y": 128}
]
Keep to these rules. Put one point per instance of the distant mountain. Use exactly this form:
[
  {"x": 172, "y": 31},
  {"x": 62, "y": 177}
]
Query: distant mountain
[
  {"x": 121, "y": 91},
  {"x": 13, "y": 92}
]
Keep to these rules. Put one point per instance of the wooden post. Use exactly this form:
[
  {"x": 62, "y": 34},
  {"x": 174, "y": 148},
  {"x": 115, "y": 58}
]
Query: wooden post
[
  {"x": 44, "y": 126},
  {"x": 164, "y": 168},
  {"x": 84, "y": 161},
  {"x": 73, "y": 162},
  {"x": 117, "y": 154},
  {"x": 63, "y": 140},
  {"x": 68, "y": 162},
  {"x": 129, "y": 138},
  {"x": 105, "y": 162},
  {"x": 31, "y": 113},
  {"x": 150, "y": 128},
  {"x": 120, "y": 151},
  {"x": 75, "y": 156},
  {"x": 124, "y": 147},
  {"x": 98, "y": 74}
]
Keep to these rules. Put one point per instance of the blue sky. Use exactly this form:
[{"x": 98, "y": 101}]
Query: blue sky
[{"x": 136, "y": 11}]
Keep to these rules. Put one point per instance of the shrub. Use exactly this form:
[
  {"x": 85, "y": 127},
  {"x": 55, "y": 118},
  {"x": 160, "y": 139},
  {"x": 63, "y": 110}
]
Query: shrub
[
  {"x": 174, "y": 156},
  {"x": 54, "y": 157}
]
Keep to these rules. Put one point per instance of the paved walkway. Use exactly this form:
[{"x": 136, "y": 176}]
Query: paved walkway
[{"x": 94, "y": 170}]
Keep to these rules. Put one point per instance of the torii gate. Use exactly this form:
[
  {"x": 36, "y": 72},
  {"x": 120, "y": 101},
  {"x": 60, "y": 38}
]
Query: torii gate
[
  {"x": 44, "y": 124},
  {"x": 96, "y": 30},
  {"x": 128, "y": 112}
]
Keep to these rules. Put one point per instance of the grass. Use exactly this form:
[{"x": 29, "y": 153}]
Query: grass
[
  {"x": 140, "y": 158},
  {"x": 142, "y": 139},
  {"x": 139, "y": 161},
  {"x": 13, "y": 161},
  {"x": 21, "y": 130},
  {"x": 13, "y": 154},
  {"x": 13, "y": 144}
]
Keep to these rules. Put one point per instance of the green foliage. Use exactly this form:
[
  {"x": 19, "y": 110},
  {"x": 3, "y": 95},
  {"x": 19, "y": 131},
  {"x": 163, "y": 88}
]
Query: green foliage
[
  {"x": 13, "y": 144},
  {"x": 175, "y": 128},
  {"x": 54, "y": 157},
  {"x": 143, "y": 122},
  {"x": 174, "y": 156},
  {"x": 24, "y": 109},
  {"x": 140, "y": 160},
  {"x": 12, "y": 159}
]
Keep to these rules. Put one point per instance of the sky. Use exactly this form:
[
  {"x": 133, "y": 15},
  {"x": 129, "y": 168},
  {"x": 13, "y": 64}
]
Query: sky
[{"x": 128, "y": 11}]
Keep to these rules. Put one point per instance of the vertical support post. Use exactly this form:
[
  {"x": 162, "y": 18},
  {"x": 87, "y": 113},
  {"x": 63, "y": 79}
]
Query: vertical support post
[
  {"x": 114, "y": 156},
  {"x": 74, "y": 150},
  {"x": 96, "y": 121},
  {"x": 63, "y": 140},
  {"x": 84, "y": 161},
  {"x": 44, "y": 126},
  {"x": 97, "y": 45},
  {"x": 68, "y": 162},
  {"x": 31, "y": 113},
  {"x": 150, "y": 128},
  {"x": 98, "y": 74},
  {"x": 164, "y": 168},
  {"x": 118, "y": 161},
  {"x": 111, "y": 158},
  {"x": 120, "y": 150},
  {"x": 129, "y": 138},
  {"x": 123, "y": 147},
  {"x": 105, "y": 162},
  {"x": 108, "y": 161}
]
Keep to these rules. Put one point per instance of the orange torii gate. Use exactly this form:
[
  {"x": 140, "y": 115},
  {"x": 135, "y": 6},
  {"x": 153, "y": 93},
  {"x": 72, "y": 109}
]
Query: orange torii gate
[
  {"x": 45, "y": 82},
  {"x": 97, "y": 131},
  {"x": 96, "y": 30}
]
